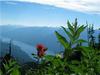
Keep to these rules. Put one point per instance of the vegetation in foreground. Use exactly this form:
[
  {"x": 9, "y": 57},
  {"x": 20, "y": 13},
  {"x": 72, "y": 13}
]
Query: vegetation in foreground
[{"x": 76, "y": 59}]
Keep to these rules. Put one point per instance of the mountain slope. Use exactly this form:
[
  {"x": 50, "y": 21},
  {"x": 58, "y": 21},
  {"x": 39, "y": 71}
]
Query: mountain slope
[{"x": 36, "y": 35}]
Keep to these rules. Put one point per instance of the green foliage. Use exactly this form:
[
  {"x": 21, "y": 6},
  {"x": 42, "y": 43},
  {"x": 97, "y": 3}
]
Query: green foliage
[
  {"x": 1, "y": 73},
  {"x": 91, "y": 38},
  {"x": 62, "y": 40},
  {"x": 90, "y": 63},
  {"x": 99, "y": 38},
  {"x": 73, "y": 33},
  {"x": 10, "y": 67},
  {"x": 52, "y": 65}
]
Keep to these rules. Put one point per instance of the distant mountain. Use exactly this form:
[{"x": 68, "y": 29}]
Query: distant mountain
[
  {"x": 36, "y": 35},
  {"x": 22, "y": 52},
  {"x": 7, "y": 28}
]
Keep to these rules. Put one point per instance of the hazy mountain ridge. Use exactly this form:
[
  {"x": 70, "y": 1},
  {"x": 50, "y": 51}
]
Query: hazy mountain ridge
[
  {"x": 35, "y": 35},
  {"x": 25, "y": 39}
]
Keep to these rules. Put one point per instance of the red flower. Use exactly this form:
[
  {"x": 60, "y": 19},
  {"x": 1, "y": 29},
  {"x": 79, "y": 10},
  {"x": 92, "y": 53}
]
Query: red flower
[
  {"x": 40, "y": 46},
  {"x": 41, "y": 50}
]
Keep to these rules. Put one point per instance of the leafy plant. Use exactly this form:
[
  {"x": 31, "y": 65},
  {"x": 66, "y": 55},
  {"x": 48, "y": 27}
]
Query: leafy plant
[
  {"x": 9, "y": 67},
  {"x": 73, "y": 33},
  {"x": 91, "y": 38},
  {"x": 90, "y": 63}
]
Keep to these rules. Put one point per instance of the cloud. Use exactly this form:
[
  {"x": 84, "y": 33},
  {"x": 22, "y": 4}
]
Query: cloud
[
  {"x": 10, "y": 2},
  {"x": 87, "y": 6}
]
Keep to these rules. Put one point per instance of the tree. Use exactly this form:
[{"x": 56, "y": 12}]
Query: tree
[
  {"x": 10, "y": 47},
  {"x": 99, "y": 38},
  {"x": 91, "y": 38}
]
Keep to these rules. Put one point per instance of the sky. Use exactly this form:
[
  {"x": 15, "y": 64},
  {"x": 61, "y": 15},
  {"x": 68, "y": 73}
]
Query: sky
[{"x": 52, "y": 13}]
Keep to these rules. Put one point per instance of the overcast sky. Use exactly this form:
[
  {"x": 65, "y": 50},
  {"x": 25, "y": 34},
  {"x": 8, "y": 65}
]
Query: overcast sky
[{"x": 53, "y": 13}]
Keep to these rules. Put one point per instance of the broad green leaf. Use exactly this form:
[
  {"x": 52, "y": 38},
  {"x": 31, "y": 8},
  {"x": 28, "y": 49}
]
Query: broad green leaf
[
  {"x": 62, "y": 40},
  {"x": 80, "y": 41},
  {"x": 12, "y": 63},
  {"x": 70, "y": 27},
  {"x": 86, "y": 51},
  {"x": 79, "y": 30},
  {"x": 86, "y": 48},
  {"x": 6, "y": 66},
  {"x": 1, "y": 72},
  {"x": 68, "y": 33}
]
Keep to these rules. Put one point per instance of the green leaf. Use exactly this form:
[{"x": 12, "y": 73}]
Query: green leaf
[
  {"x": 79, "y": 31},
  {"x": 86, "y": 51},
  {"x": 15, "y": 71},
  {"x": 80, "y": 41},
  {"x": 10, "y": 66},
  {"x": 68, "y": 33},
  {"x": 6, "y": 66},
  {"x": 1, "y": 73},
  {"x": 70, "y": 27},
  {"x": 62, "y": 40}
]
